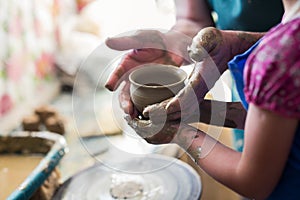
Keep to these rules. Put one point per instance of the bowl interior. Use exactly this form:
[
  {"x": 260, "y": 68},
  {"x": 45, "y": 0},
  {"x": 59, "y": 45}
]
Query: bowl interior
[{"x": 156, "y": 75}]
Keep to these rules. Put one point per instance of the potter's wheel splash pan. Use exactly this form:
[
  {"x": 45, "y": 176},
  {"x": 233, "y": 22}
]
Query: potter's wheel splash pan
[{"x": 175, "y": 181}]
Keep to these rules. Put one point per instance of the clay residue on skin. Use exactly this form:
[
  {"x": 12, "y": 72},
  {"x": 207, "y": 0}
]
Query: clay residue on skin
[
  {"x": 185, "y": 136},
  {"x": 153, "y": 133},
  {"x": 208, "y": 35},
  {"x": 205, "y": 41},
  {"x": 247, "y": 37}
]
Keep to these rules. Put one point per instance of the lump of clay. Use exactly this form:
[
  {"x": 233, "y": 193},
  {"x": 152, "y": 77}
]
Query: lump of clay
[
  {"x": 31, "y": 123},
  {"x": 55, "y": 124},
  {"x": 126, "y": 186},
  {"x": 44, "y": 112}
]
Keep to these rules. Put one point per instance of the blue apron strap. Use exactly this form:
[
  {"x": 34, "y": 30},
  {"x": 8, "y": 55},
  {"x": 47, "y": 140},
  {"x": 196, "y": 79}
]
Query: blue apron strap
[{"x": 236, "y": 67}]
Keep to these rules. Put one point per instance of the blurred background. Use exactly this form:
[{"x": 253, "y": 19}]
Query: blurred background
[
  {"x": 40, "y": 39},
  {"x": 45, "y": 43}
]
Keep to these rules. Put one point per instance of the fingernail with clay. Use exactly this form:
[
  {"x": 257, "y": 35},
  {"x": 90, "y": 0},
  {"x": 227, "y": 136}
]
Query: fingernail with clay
[
  {"x": 170, "y": 106},
  {"x": 108, "y": 86},
  {"x": 146, "y": 111}
]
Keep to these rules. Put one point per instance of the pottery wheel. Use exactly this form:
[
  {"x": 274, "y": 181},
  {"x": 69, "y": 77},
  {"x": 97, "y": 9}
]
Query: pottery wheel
[{"x": 156, "y": 177}]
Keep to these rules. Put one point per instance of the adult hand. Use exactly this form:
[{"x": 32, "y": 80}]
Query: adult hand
[
  {"x": 211, "y": 49},
  {"x": 148, "y": 46},
  {"x": 207, "y": 48}
]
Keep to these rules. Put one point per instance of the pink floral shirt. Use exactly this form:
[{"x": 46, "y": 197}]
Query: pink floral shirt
[{"x": 272, "y": 71}]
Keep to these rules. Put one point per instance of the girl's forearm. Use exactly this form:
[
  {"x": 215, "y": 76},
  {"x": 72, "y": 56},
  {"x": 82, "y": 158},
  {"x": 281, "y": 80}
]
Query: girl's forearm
[{"x": 216, "y": 159}]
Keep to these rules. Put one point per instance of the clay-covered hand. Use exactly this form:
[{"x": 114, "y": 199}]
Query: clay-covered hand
[
  {"x": 211, "y": 49},
  {"x": 147, "y": 46},
  {"x": 163, "y": 133},
  {"x": 207, "y": 45}
]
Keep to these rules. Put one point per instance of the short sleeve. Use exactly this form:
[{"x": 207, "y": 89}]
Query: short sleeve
[{"x": 272, "y": 73}]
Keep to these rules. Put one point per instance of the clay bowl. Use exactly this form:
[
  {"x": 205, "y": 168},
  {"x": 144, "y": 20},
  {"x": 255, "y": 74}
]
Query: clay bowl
[{"x": 153, "y": 83}]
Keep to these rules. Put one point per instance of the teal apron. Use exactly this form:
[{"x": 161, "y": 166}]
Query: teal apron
[{"x": 247, "y": 15}]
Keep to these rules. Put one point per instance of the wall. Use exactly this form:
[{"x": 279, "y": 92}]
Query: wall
[{"x": 28, "y": 39}]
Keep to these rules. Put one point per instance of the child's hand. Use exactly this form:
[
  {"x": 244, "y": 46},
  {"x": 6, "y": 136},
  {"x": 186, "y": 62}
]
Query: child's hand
[{"x": 163, "y": 133}]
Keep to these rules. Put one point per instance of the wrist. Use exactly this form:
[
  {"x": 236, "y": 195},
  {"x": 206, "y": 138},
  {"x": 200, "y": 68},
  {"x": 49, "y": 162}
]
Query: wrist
[
  {"x": 195, "y": 148},
  {"x": 192, "y": 140},
  {"x": 188, "y": 137}
]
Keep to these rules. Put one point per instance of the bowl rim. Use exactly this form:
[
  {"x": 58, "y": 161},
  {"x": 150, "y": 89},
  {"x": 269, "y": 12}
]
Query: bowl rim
[{"x": 158, "y": 66}]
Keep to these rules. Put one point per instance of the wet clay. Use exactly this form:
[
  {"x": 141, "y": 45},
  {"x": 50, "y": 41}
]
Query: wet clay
[
  {"x": 205, "y": 41},
  {"x": 12, "y": 175}
]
